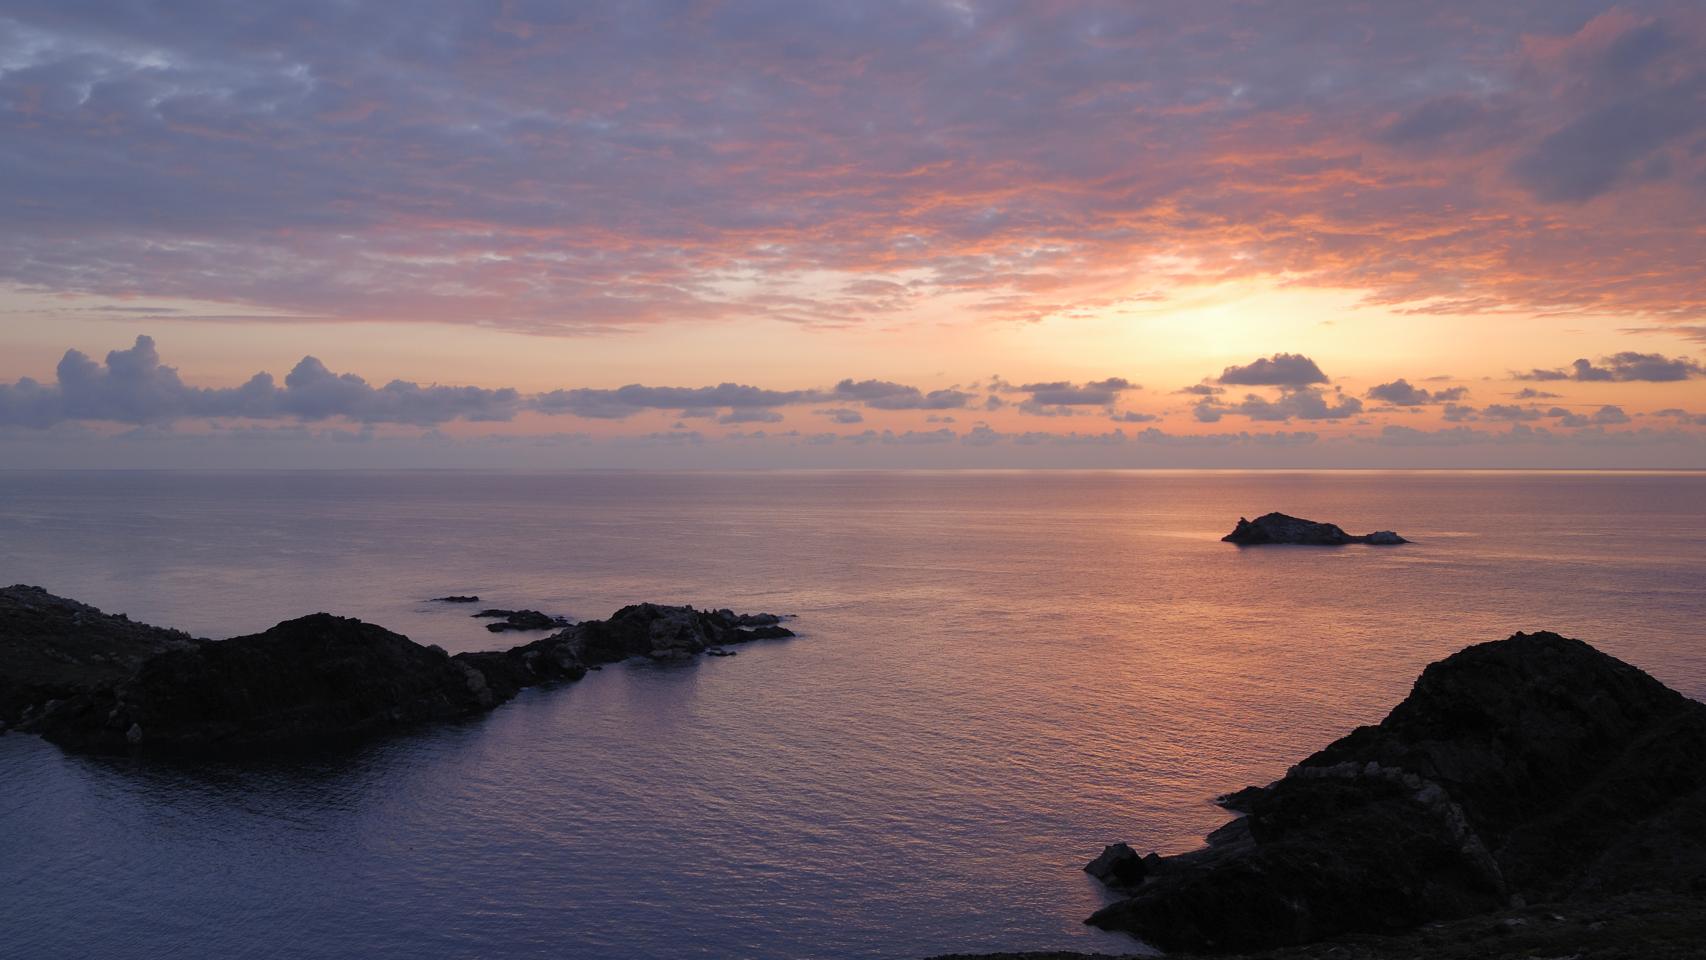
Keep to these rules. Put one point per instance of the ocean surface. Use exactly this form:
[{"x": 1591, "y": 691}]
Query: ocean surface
[{"x": 995, "y": 674}]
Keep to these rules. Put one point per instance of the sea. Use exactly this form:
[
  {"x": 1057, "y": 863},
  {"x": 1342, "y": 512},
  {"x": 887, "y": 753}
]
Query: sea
[{"x": 995, "y": 674}]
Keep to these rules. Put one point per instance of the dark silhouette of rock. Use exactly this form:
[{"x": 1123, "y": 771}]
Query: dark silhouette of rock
[
  {"x": 1533, "y": 769},
  {"x": 1279, "y": 528},
  {"x": 1118, "y": 866},
  {"x": 314, "y": 679},
  {"x": 454, "y": 598},
  {"x": 52, "y": 649},
  {"x": 666, "y": 633},
  {"x": 1636, "y": 926},
  {"x": 520, "y": 620},
  {"x": 125, "y": 687},
  {"x": 750, "y": 619}
]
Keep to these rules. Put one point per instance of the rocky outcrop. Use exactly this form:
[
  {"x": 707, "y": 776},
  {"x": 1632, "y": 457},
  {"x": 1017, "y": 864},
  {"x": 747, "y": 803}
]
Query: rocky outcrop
[
  {"x": 305, "y": 682},
  {"x": 314, "y": 679},
  {"x": 1636, "y": 926},
  {"x": 1119, "y": 866},
  {"x": 520, "y": 620},
  {"x": 52, "y": 649},
  {"x": 456, "y": 598},
  {"x": 1533, "y": 769},
  {"x": 1277, "y": 528}
]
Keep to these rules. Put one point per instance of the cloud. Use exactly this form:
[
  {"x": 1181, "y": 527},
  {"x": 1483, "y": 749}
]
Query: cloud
[
  {"x": 1682, "y": 415},
  {"x": 1280, "y": 370},
  {"x": 1636, "y": 99},
  {"x": 1157, "y": 436},
  {"x": 133, "y": 386},
  {"x": 1607, "y": 415},
  {"x": 1625, "y": 366},
  {"x": 1302, "y": 403},
  {"x": 569, "y": 170},
  {"x": 1694, "y": 332},
  {"x": 750, "y": 416},
  {"x": 885, "y": 395},
  {"x": 623, "y": 402},
  {"x": 1529, "y": 393},
  {"x": 1511, "y": 412},
  {"x": 1401, "y": 393},
  {"x": 1062, "y": 393},
  {"x": 1397, "y": 435}
]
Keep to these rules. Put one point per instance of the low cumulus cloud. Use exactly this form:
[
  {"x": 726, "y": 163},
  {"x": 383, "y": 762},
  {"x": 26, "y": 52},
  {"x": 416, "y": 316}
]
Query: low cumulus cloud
[
  {"x": 1277, "y": 438},
  {"x": 1606, "y": 415},
  {"x": 886, "y": 395},
  {"x": 1682, "y": 416},
  {"x": 1401, "y": 393},
  {"x": 623, "y": 402},
  {"x": 1058, "y": 398},
  {"x": 750, "y": 416},
  {"x": 1301, "y": 403},
  {"x": 1398, "y": 435},
  {"x": 1623, "y": 367},
  {"x": 133, "y": 386},
  {"x": 1279, "y": 370},
  {"x": 1062, "y": 393}
]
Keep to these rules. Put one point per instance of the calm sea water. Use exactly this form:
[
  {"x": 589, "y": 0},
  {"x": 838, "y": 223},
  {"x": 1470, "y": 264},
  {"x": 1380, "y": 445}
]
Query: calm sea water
[{"x": 996, "y": 673}]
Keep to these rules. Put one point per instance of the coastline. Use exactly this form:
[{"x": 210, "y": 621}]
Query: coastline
[{"x": 93, "y": 682}]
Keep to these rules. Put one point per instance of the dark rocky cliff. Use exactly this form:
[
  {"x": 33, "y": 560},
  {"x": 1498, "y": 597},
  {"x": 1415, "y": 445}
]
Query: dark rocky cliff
[{"x": 1528, "y": 770}]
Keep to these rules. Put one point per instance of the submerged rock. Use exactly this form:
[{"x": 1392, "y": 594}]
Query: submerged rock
[
  {"x": 308, "y": 681},
  {"x": 1280, "y": 528},
  {"x": 1533, "y": 769}
]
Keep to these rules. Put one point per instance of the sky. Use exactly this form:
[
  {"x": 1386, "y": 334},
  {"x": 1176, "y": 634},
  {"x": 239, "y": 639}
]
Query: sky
[{"x": 508, "y": 233}]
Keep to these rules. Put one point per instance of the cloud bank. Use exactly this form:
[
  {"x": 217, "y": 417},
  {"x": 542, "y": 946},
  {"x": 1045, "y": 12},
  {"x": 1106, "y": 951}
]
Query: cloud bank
[
  {"x": 578, "y": 168},
  {"x": 134, "y": 387}
]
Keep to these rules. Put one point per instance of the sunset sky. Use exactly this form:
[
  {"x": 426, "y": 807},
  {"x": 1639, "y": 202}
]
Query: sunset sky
[{"x": 799, "y": 234}]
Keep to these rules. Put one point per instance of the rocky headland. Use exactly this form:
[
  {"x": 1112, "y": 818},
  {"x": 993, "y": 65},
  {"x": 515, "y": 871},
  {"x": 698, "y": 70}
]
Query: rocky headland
[
  {"x": 94, "y": 682},
  {"x": 1523, "y": 785},
  {"x": 1278, "y": 528}
]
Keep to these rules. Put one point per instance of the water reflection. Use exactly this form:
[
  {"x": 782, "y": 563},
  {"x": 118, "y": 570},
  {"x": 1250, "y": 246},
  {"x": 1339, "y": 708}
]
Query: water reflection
[{"x": 997, "y": 674}]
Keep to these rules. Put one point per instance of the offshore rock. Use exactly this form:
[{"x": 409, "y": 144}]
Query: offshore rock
[
  {"x": 456, "y": 598},
  {"x": 1279, "y": 528},
  {"x": 126, "y": 687},
  {"x": 1118, "y": 866},
  {"x": 520, "y": 620},
  {"x": 668, "y": 633},
  {"x": 1530, "y": 770}
]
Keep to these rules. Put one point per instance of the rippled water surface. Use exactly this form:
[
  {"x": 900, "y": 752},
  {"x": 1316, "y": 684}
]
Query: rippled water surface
[{"x": 996, "y": 673}]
